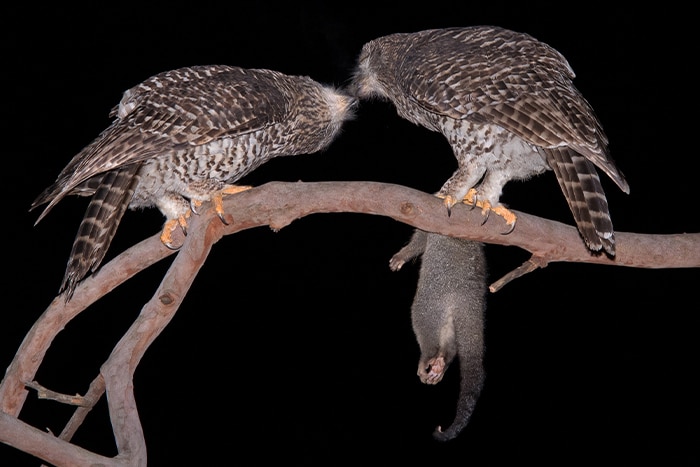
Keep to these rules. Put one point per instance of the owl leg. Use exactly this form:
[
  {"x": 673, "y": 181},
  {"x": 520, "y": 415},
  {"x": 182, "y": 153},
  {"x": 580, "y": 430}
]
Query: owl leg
[
  {"x": 487, "y": 196},
  {"x": 176, "y": 210},
  {"x": 459, "y": 185},
  {"x": 218, "y": 198}
]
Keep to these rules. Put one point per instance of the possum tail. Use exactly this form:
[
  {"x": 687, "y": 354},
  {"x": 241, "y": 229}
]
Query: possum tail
[{"x": 469, "y": 336}]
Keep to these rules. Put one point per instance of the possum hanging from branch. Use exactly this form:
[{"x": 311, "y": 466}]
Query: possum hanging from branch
[{"x": 448, "y": 315}]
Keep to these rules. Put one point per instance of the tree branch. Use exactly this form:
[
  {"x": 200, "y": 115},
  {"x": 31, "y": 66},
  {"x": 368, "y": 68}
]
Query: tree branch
[
  {"x": 278, "y": 204},
  {"x": 275, "y": 205}
]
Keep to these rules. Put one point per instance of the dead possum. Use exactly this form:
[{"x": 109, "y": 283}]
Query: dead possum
[{"x": 448, "y": 315}]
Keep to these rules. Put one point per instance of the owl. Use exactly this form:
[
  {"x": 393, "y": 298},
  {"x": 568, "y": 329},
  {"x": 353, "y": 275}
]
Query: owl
[
  {"x": 506, "y": 104},
  {"x": 183, "y": 137}
]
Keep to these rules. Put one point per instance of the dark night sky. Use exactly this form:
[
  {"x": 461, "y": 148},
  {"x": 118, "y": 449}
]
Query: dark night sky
[{"x": 584, "y": 363}]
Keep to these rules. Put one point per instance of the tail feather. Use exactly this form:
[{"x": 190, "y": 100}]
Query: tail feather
[
  {"x": 99, "y": 225},
  {"x": 580, "y": 183},
  {"x": 55, "y": 193}
]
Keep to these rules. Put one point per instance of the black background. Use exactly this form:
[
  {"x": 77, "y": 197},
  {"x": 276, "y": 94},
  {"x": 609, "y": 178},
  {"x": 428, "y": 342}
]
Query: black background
[{"x": 296, "y": 346}]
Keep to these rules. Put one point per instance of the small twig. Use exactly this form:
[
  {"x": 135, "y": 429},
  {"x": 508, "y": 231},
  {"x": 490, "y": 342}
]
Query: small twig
[
  {"x": 91, "y": 398},
  {"x": 535, "y": 262},
  {"x": 44, "y": 393}
]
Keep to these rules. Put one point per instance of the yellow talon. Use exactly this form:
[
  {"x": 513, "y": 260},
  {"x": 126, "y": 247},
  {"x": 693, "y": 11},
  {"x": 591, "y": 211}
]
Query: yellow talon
[
  {"x": 233, "y": 189},
  {"x": 470, "y": 198},
  {"x": 218, "y": 198},
  {"x": 508, "y": 215},
  {"x": 448, "y": 201},
  {"x": 194, "y": 204},
  {"x": 166, "y": 235}
]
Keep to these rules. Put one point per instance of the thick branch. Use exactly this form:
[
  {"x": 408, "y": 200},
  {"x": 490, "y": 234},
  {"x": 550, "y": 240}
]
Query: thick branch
[
  {"x": 277, "y": 205},
  {"x": 118, "y": 371},
  {"x": 45, "y": 446}
]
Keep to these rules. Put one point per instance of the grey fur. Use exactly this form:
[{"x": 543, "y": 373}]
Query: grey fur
[{"x": 448, "y": 315}]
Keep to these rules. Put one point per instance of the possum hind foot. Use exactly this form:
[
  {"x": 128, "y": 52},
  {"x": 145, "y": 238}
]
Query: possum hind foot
[{"x": 432, "y": 371}]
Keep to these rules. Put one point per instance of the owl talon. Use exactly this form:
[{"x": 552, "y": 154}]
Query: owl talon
[
  {"x": 512, "y": 227},
  {"x": 218, "y": 198},
  {"x": 508, "y": 216},
  {"x": 194, "y": 204},
  {"x": 470, "y": 198},
  {"x": 166, "y": 236},
  {"x": 448, "y": 201},
  {"x": 484, "y": 205},
  {"x": 485, "y": 215}
]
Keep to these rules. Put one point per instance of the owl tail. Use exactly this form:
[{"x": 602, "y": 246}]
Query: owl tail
[
  {"x": 579, "y": 181},
  {"x": 105, "y": 211}
]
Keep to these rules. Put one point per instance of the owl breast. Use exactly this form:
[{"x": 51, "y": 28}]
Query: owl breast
[
  {"x": 195, "y": 172},
  {"x": 488, "y": 156},
  {"x": 495, "y": 148}
]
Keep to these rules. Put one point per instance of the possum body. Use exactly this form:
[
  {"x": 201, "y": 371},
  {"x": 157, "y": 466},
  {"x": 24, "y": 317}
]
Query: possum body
[{"x": 447, "y": 315}]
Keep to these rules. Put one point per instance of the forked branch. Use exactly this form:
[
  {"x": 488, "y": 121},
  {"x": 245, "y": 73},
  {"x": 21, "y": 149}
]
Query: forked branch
[{"x": 275, "y": 205}]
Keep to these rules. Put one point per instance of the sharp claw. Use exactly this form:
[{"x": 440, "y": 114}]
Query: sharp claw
[
  {"x": 218, "y": 200},
  {"x": 470, "y": 198},
  {"x": 168, "y": 229},
  {"x": 221, "y": 216},
  {"x": 485, "y": 214},
  {"x": 485, "y": 210},
  {"x": 182, "y": 222},
  {"x": 508, "y": 216},
  {"x": 448, "y": 201},
  {"x": 512, "y": 227}
]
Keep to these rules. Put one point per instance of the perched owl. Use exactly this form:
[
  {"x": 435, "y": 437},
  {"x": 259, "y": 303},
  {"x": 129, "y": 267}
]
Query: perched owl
[
  {"x": 183, "y": 137},
  {"x": 507, "y": 106}
]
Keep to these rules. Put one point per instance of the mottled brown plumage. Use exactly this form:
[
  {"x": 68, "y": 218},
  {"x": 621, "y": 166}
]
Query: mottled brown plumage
[
  {"x": 182, "y": 137},
  {"x": 507, "y": 105}
]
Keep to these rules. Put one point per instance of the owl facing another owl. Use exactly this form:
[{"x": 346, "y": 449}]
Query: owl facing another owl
[
  {"x": 183, "y": 137},
  {"x": 506, "y": 104}
]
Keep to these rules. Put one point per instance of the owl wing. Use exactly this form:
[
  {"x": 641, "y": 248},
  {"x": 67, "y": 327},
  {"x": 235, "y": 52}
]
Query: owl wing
[
  {"x": 498, "y": 76},
  {"x": 187, "y": 106}
]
